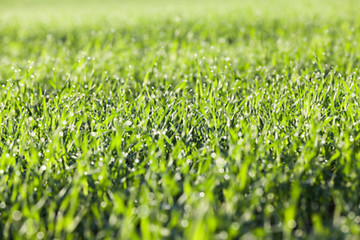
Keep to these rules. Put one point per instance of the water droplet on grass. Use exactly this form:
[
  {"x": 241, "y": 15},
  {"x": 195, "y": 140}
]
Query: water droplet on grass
[{"x": 16, "y": 216}]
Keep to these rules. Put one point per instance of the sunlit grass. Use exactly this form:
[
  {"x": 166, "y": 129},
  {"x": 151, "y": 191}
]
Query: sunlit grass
[{"x": 197, "y": 120}]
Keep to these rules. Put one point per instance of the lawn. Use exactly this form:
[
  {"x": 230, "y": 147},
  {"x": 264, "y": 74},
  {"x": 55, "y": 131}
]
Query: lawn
[{"x": 168, "y": 119}]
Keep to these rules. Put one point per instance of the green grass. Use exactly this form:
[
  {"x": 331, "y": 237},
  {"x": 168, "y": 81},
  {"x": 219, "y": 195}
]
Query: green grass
[{"x": 196, "y": 120}]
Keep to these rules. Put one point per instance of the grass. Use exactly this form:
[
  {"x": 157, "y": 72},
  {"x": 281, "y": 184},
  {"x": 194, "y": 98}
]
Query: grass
[{"x": 197, "y": 120}]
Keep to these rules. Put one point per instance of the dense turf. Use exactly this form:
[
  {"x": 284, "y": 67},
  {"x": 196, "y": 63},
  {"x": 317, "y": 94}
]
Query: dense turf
[{"x": 179, "y": 120}]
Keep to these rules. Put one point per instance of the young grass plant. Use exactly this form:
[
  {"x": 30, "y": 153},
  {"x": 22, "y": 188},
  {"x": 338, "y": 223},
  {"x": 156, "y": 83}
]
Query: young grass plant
[{"x": 231, "y": 120}]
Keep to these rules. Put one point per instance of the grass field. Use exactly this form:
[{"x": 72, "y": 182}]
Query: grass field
[{"x": 168, "y": 119}]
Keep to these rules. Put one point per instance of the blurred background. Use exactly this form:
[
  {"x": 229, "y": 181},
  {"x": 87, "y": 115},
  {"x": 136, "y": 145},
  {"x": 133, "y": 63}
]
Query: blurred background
[{"x": 89, "y": 9}]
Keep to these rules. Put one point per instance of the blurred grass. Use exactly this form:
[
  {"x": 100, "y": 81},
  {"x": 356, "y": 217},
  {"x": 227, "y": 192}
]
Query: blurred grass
[{"x": 40, "y": 9}]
